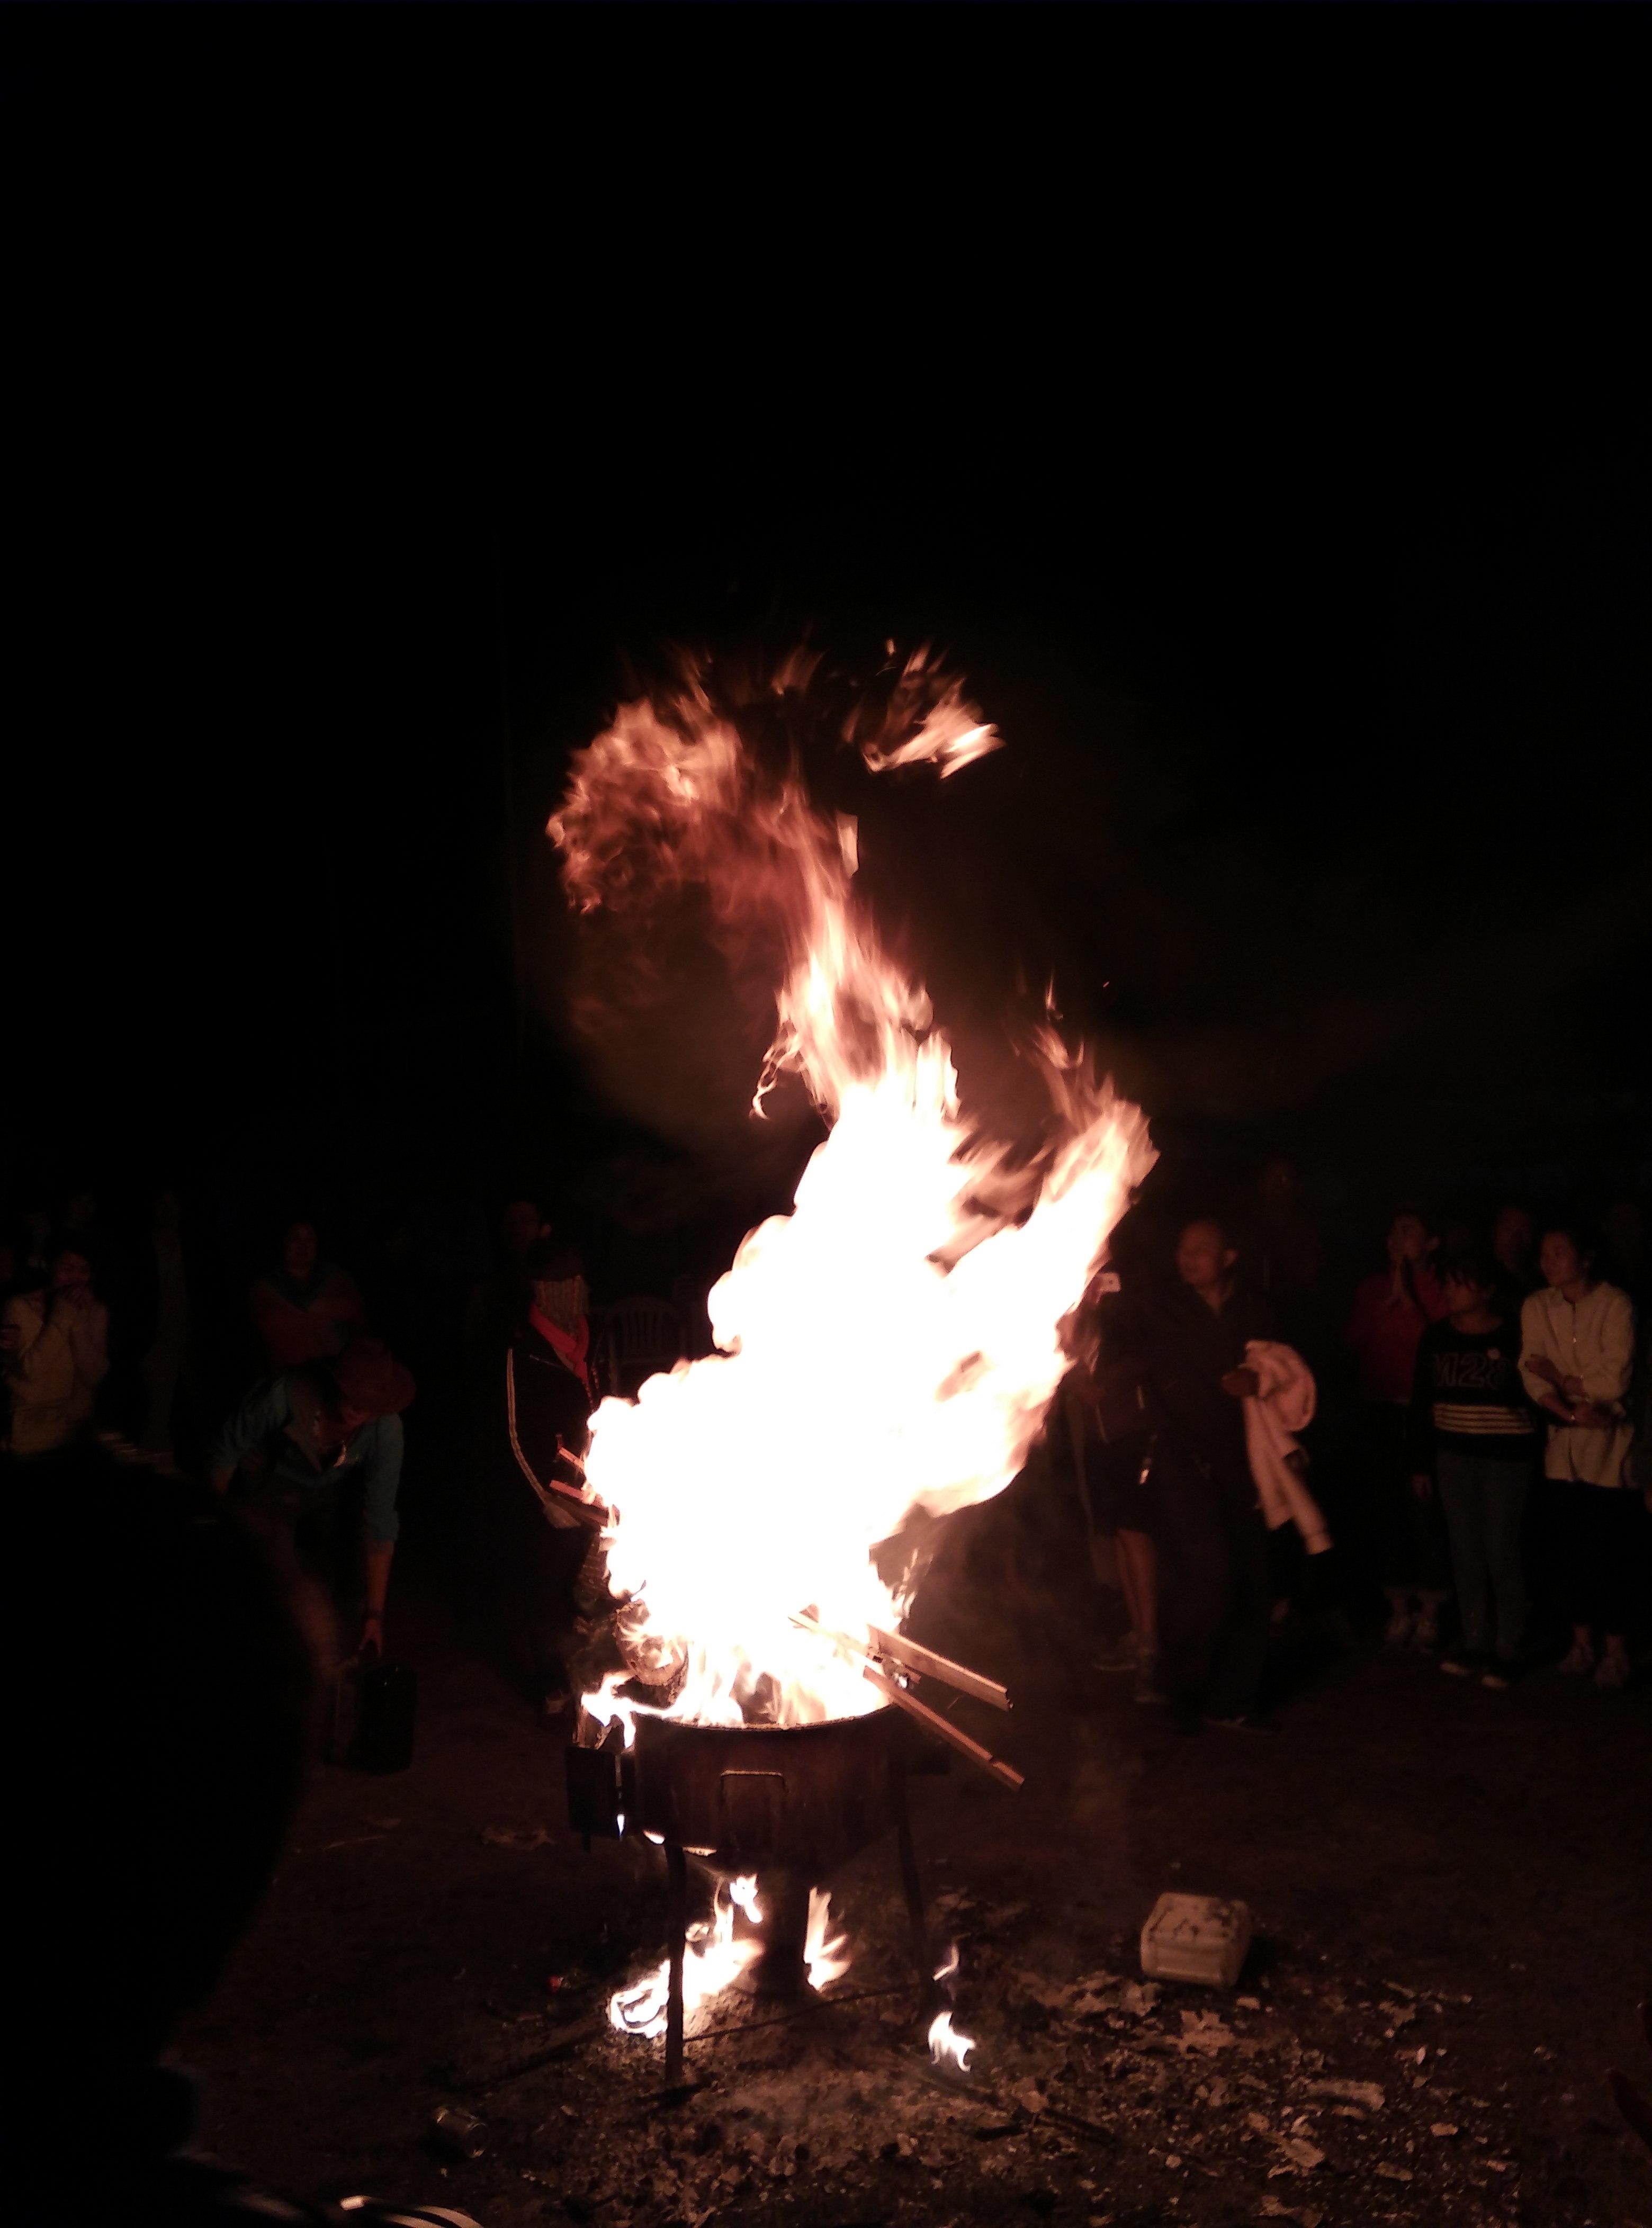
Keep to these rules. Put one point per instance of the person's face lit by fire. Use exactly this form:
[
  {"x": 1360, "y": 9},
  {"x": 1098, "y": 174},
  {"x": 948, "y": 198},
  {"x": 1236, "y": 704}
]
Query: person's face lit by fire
[
  {"x": 1204, "y": 1258},
  {"x": 561, "y": 1300},
  {"x": 338, "y": 1423},
  {"x": 1564, "y": 1267},
  {"x": 1466, "y": 1298},
  {"x": 300, "y": 1249},
  {"x": 521, "y": 1225},
  {"x": 71, "y": 1276},
  {"x": 1511, "y": 1237},
  {"x": 1408, "y": 1239}
]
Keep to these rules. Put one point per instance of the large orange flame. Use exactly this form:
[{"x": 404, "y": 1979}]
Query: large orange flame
[{"x": 890, "y": 1346}]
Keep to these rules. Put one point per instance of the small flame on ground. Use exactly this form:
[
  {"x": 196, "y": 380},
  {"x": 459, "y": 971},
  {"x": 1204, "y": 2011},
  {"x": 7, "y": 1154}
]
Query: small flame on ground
[
  {"x": 825, "y": 1961},
  {"x": 712, "y": 1961},
  {"x": 946, "y": 2046}
]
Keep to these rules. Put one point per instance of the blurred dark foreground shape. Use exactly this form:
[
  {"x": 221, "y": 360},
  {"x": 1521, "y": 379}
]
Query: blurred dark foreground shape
[{"x": 171, "y": 1726}]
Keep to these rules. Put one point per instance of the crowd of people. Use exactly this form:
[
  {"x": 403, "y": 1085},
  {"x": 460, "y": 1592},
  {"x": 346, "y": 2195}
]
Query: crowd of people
[
  {"x": 1457, "y": 1446},
  {"x": 1466, "y": 1443},
  {"x": 1448, "y": 1445},
  {"x": 293, "y": 1411}
]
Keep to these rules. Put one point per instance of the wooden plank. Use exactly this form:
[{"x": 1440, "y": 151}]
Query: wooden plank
[
  {"x": 924, "y": 1659},
  {"x": 944, "y": 1729},
  {"x": 910, "y": 1657},
  {"x": 932, "y": 1721}
]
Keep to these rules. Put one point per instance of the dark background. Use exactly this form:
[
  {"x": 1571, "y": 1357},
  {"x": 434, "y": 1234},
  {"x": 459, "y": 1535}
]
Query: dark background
[{"x": 1244, "y": 400}]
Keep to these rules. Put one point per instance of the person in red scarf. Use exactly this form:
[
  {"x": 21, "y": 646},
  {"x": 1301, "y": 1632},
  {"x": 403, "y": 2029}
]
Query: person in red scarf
[
  {"x": 548, "y": 1527},
  {"x": 556, "y": 1308}
]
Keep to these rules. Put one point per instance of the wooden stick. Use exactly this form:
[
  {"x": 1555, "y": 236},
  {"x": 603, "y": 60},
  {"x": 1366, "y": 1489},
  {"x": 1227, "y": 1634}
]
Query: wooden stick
[
  {"x": 910, "y": 1657},
  {"x": 938, "y": 1667},
  {"x": 933, "y": 1722},
  {"x": 944, "y": 1729}
]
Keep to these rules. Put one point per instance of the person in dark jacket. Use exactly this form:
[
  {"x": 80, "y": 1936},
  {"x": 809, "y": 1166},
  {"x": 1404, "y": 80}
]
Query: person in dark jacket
[
  {"x": 1215, "y": 1598},
  {"x": 1513, "y": 1262},
  {"x": 1406, "y": 1548},
  {"x": 549, "y": 1562},
  {"x": 1473, "y": 1438}
]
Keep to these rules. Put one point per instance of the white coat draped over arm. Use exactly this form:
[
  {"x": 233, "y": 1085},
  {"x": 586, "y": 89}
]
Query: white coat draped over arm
[{"x": 1282, "y": 1405}]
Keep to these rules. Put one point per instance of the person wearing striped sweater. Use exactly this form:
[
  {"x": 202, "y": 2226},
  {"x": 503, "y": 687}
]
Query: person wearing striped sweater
[{"x": 1474, "y": 1441}]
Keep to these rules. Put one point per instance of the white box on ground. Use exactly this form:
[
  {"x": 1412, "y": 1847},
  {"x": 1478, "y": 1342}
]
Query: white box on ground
[{"x": 1196, "y": 1937}]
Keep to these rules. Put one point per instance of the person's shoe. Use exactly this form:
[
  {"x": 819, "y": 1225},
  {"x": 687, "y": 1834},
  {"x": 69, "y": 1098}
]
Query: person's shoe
[
  {"x": 1462, "y": 1663},
  {"x": 1578, "y": 1663},
  {"x": 1400, "y": 1627},
  {"x": 1501, "y": 1675},
  {"x": 1149, "y": 1692},
  {"x": 1612, "y": 1670},
  {"x": 1245, "y": 1721},
  {"x": 1425, "y": 1633},
  {"x": 1121, "y": 1654}
]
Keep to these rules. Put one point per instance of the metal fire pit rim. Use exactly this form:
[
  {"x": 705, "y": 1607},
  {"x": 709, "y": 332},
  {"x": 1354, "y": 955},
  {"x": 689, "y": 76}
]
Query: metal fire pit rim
[{"x": 660, "y": 1727}]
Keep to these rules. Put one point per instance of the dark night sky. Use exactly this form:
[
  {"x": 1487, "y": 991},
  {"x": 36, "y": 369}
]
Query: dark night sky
[{"x": 1275, "y": 472}]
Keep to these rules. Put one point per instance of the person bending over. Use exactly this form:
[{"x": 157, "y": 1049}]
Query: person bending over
[{"x": 299, "y": 1449}]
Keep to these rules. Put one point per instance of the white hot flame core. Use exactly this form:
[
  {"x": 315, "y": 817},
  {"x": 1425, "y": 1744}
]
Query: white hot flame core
[
  {"x": 946, "y": 2046},
  {"x": 890, "y": 1346},
  {"x": 825, "y": 1956},
  {"x": 713, "y": 1959},
  {"x": 711, "y": 1962}
]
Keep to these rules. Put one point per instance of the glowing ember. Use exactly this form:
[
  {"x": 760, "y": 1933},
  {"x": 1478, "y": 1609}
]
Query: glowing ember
[{"x": 892, "y": 1345}]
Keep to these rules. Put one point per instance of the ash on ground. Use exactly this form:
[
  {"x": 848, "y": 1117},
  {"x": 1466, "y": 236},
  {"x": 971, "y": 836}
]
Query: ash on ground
[{"x": 1095, "y": 2095}]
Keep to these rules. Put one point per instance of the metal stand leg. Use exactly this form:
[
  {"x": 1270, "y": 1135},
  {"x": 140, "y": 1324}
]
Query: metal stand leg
[
  {"x": 915, "y": 1888},
  {"x": 676, "y": 1875}
]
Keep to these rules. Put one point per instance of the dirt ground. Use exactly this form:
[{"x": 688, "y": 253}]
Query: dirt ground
[{"x": 1452, "y": 1891}]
